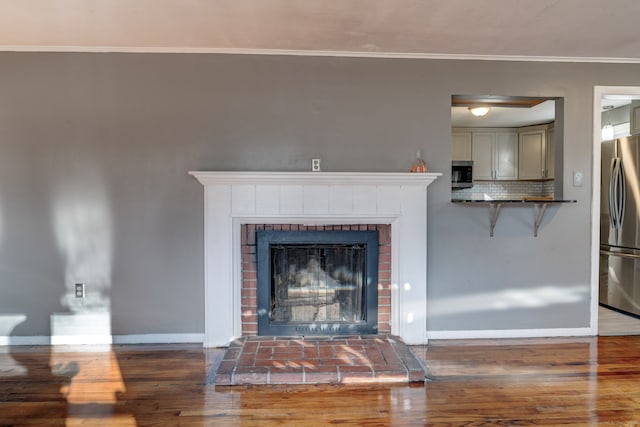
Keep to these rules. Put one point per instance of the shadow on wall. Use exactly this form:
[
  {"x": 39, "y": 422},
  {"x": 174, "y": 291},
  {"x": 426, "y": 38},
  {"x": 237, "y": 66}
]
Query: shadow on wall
[
  {"x": 47, "y": 245},
  {"x": 514, "y": 308},
  {"x": 509, "y": 299},
  {"x": 77, "y": 230},
  {"x": 84, "y": 232}
]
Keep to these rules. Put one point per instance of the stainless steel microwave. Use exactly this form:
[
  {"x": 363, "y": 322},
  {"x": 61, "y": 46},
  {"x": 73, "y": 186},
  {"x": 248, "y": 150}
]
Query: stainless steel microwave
[{"x": 462, "y": 174}]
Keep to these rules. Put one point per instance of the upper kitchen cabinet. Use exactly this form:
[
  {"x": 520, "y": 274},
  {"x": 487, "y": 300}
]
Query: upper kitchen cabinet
[
  {"x": 635, "y": 117},
  {"x": 533, "y": 153},
  {"x": 483, "y": 150},
  {"x": 460, "y": 145},
  {"x": 506, "y": 155},
  {"x": 494, "y": 154},
  {"x": 550, "y": 151}
]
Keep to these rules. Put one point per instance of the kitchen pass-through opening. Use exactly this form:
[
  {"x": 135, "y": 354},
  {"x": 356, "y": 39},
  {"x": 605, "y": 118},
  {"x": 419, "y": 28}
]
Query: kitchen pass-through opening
[{"x": 317, "y": 282}]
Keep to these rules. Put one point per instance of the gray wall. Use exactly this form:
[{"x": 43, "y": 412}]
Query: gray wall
[{"x": 95, "y": 150}]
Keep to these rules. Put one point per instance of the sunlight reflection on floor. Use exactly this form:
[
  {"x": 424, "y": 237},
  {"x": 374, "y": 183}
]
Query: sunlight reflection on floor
[{"x": 87, "y": 398}]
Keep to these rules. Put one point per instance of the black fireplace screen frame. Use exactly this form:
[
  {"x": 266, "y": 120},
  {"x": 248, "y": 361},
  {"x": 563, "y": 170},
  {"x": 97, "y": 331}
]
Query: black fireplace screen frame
[{"x": 266, "y": 239}]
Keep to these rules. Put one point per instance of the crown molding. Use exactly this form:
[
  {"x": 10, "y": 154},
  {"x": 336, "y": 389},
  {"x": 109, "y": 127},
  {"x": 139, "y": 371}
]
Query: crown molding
[{"x": 318, "y": 53}]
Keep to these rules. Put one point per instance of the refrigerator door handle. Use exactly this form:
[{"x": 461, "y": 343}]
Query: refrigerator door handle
[
  {"x": 618, "y": 193},
  {"x": 614, "y": 194},
  {"x": 620, "y": 254},
  {"x": 612, "y": 205},
  {"x": 622, "y": 194}
]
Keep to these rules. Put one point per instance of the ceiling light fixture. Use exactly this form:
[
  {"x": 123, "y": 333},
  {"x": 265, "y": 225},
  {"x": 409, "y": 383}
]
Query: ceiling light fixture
[
  {"x": 479, "y": 111},
  {"x": 607, "y": 130}
]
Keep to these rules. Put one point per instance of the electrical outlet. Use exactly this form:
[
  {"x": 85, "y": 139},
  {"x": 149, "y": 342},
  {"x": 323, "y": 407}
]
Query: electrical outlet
[
  {"x": 79, "y": 290},
  {"x": 315, "y": 165}
]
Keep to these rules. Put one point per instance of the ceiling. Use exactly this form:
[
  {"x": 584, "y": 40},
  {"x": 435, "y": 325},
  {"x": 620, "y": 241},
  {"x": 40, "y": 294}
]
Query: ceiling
[
  {"x": 544, "y": 30},
  {"x": 505, "y": 116}
]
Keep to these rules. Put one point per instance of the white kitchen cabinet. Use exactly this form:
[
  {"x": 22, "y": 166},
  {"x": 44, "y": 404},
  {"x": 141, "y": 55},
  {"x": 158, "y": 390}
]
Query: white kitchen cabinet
[
  {"x": 482, "y": 154},
  {"x": 533, "y": 158},
  {"x": 634, "y": 119},
  {"x": 550, "y": 152},
  {"x": 495, "y": 155},
  {"x": 506, "y": 155},
  {"x": 461, "y": 146}
]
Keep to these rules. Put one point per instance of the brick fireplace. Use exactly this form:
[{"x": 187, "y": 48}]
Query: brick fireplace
[{"x": 237, "y": 202}]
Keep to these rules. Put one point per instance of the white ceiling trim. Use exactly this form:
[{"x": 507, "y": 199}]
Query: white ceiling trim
[{"x": 335, "y": 53}]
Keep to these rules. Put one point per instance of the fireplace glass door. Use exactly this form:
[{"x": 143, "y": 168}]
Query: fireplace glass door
[{"x": 317, "y": 282}]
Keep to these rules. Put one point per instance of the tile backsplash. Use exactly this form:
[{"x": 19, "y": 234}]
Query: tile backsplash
[{"x": 487, "y": 190}]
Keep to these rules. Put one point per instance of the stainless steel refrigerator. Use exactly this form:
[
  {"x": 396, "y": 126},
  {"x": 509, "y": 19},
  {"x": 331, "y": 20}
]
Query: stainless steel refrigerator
[{"x": 620, "y": 225}]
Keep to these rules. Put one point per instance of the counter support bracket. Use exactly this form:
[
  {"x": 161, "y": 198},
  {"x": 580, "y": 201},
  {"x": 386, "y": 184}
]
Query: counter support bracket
[
  {"x": 494, "y": 209},
  {"x": 539, "y": 209}
]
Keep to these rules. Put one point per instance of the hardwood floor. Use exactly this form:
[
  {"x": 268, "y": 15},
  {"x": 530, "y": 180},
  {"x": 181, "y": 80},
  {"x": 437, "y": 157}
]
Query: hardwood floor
[{"x": 571, "y": 382}]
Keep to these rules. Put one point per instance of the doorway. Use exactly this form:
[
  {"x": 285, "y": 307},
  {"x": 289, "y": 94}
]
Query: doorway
[{"x": 603, "y": 320}]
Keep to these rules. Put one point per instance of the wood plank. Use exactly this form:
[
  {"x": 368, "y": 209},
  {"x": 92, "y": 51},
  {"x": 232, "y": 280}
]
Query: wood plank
[{"x": 573, "y": 382}]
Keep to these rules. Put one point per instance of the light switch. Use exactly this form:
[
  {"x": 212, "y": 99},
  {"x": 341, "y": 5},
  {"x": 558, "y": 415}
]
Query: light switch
[{"x": 578, "y": 179}]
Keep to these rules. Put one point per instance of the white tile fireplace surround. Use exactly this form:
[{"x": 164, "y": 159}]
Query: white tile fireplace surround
[{"x": 235, "y": 198}]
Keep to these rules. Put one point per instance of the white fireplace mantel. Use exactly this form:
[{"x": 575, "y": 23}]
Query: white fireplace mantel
[{"x": 235, "y": 198}]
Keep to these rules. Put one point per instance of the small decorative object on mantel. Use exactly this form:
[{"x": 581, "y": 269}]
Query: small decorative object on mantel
[{"x": 418, "y": 164}]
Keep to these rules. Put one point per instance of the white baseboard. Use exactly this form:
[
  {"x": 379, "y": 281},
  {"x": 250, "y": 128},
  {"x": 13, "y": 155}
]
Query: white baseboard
[
  {"x": 36, "y": 340},
  {"x": 103, "y": 339},
  {"x": 511, "y": 333},
  {"x": 199, "y": 338},
  {"x": 159, "y": 339},
  {"x": 80, "y": 339}
]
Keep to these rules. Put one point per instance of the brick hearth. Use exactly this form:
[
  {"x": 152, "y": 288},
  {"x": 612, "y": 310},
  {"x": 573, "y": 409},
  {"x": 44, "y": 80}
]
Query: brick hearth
[
  {"x": 318, "y": 360},
  {"x": 249, "y": 289}
]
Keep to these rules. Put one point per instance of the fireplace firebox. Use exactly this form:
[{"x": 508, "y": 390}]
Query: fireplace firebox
[{"x": 317, "y": 282}]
